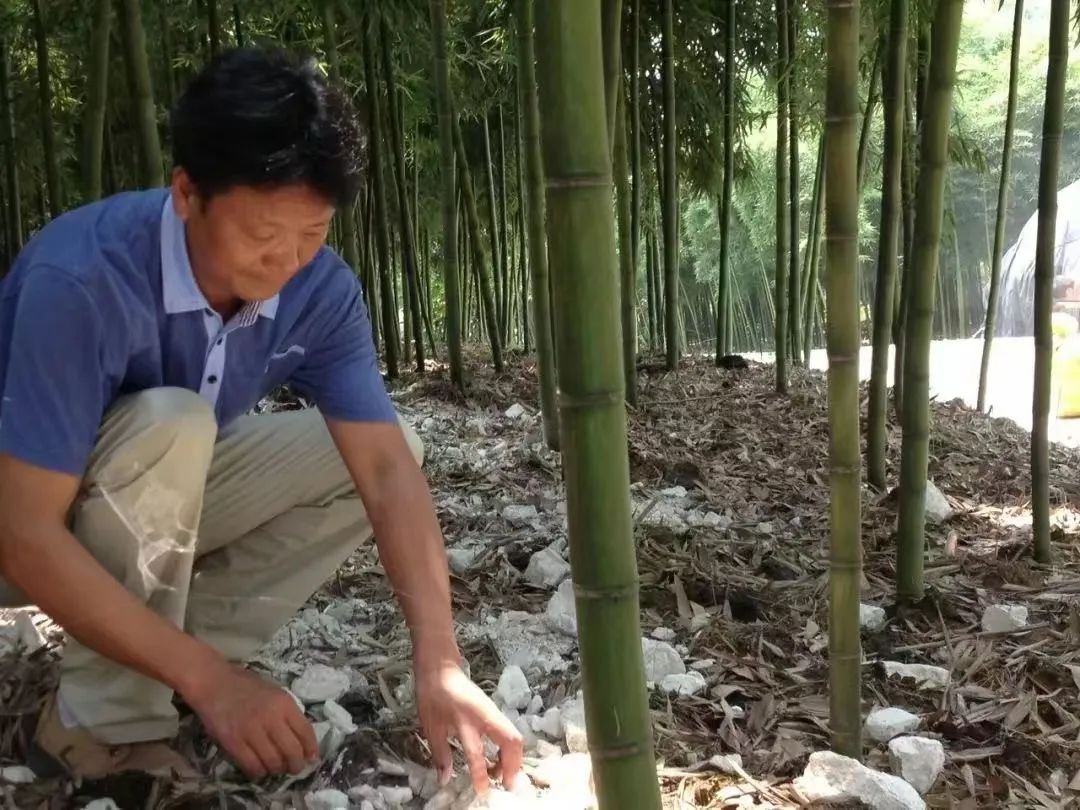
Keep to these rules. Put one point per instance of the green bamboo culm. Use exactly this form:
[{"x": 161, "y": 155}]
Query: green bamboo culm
[
  {"x": 783, "y": 224},
  {"x": 382, "y": 237},
  {"x": 138, "y": 65},
  {"x": 794, "y": 291},
  {"x": 96, "y": 93},
  {"x": 48, "y": 131},
  {"x": 11, "y": 164},
  {"x": 892, "y": 159},
  {"x": 612, "y": 29},
  {"x": 581, "y": 238},
  {"x": 448, "y": 195},
  {"x": 670, "y": 197},
  {"x": 347, "y": 217},
  {"x": 1002, "y": 204},
  {"x": 533, "y": 200},
  {"x": 929, "y": 206},
  {"x": 1053, "y": 123},
  {"x": 472, "y": 220},
  {"x": 627, "y": 277},
  {"x": 723, "y": 294},
  {"x": 405, "y": 219},
  {"x": 809, "y": 278},
  {"x": 842, "y": 318}
]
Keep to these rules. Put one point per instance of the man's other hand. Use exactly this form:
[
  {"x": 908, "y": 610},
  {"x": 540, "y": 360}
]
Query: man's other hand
[
  {"x": 257, "y": 723},
  {"x": 451, "y": 705}
]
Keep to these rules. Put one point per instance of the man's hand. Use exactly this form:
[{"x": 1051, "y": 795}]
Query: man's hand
[
  {"x": 449, "y": 705},
  {"x": 257, "y": 723}
]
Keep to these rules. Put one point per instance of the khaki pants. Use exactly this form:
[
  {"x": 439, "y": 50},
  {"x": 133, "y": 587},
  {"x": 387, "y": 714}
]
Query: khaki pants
[{"x": 227, "y": 536}]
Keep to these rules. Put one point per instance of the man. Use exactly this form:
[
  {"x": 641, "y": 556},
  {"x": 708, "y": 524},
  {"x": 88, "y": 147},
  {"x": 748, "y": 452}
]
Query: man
[{"x": 165, "y": 528}]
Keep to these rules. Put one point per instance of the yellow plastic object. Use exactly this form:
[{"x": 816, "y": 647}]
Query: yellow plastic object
[{"x": 1066, "y": 374}]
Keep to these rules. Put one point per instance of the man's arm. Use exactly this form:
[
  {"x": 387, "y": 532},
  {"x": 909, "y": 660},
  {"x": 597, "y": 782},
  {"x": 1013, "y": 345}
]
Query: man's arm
[
  {"x": 40, "y": 556},
  {"x": 399, "y": 505}
]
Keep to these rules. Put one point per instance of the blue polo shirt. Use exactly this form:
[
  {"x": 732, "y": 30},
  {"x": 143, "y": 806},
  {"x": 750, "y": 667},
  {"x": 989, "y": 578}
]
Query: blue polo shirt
[{"x": 102, "y": 302}]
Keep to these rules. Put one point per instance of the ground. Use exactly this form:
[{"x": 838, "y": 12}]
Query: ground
[{"x": 731, "y": 493}]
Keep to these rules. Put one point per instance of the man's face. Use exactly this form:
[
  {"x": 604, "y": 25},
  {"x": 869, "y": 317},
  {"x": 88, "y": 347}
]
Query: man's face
[{"x": 248, "y": 242}]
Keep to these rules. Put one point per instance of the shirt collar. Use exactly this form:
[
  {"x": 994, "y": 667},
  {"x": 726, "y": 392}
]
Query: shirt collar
[{"x": 179, "y": 292}]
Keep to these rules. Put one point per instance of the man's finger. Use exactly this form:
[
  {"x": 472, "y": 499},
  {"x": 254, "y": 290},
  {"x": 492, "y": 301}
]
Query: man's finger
[
  {"x": 288, "y": 744},
  {"x": 474, "y": 755},
  {"x": 248, "y": 760},
  {"x": 441, "y": 755},
  {"x": 511, "y": 744},
  {"x": 305, "y": 733},
  {"x": 267, "y": 752}
]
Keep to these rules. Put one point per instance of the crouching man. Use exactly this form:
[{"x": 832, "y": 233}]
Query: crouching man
[{"x": 165, "y": 528}]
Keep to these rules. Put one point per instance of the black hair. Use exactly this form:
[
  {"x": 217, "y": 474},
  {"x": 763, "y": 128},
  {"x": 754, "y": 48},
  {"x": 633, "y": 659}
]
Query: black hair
[{"x": 257, "y": 116}]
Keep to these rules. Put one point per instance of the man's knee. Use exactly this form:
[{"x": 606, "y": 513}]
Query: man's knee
[
  {"x": 416, "y": 444},
  {"x": 178, "y": 410}
]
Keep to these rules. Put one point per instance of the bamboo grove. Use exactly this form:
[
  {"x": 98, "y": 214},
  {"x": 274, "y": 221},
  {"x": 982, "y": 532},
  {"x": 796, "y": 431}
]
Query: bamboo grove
[{"x": 591, "y": 183}]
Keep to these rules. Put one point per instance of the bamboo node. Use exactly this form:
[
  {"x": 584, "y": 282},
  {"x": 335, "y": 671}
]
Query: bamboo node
[
  {"x": 612, "y": 594},
  {"x": 597, "y": 399}
]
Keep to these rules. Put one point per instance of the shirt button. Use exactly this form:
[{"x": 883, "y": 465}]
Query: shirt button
[
  {"x": 212, "y": 379},
  {"x": 220, "y": 341}
]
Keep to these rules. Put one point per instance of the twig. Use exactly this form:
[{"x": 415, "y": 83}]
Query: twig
[{"x": 968, "y": 636}]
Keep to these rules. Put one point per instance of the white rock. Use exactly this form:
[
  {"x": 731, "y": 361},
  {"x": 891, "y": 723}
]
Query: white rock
[
  {"x": 918, "y": 760},
  {"x": 102, "y": 804},
  {"x": 424, "y": 782},
  {"x": 396, "y": 796},
  {"x": 513, "y": 691},
  {"x": 926, "y": 676},
  {"x": 664, "y": 634},
  {"x": 320, "y": 683},
  {"x": 328, "y": 799},
  {"x": 561, "y": 613},
  {"x": 391, "y": 767},
  {"x": 338, "y": 717},
  {"x": 547, "y": 568},
  {"x": 366, "y": 805},
  {"x": 1004, "y": 618},
  {"x": 551, "y": 723},
  {"x": 703, "y": 664},
  {"x": 516, "y": 411},
  {"x": 688, "y": 685},
  {"x": 518, "y": 638},
  {"x": 730, "y": 764},
  {"x": 546, "y": 750},
  {"x": 572, "y": 771},
  {"x": 536, "y": 705},
  {"x": 661, "y": 660},
  {"x": 528, "y": 736},
  {"x": 573, "y": 722},
  {"x": 715, "y": 521},
  {"x": 872, "y": 617},
  {"x": 937, "y": 507},
  {"x": 832, "y": 777},
  {"x": 884, "y": 724},
  {"x": 674, "y": 492},
  {"x": 519, "y": 513},
  {"x": 461, "y": 560},
  {"x": 17, "y": 775},
  {"x": 330, "y": 739},
  {"x": 29, "y": 634}
]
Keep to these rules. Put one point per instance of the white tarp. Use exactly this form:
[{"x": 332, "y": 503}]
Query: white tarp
[{"x": 1015, "y": 315}]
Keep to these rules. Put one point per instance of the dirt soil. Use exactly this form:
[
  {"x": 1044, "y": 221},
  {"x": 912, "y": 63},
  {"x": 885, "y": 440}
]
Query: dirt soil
[{"x": 731, "y": 498}]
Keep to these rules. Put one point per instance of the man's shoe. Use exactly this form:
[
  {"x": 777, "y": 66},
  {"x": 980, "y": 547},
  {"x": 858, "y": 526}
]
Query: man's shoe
[{"x": 55, "y": 747}]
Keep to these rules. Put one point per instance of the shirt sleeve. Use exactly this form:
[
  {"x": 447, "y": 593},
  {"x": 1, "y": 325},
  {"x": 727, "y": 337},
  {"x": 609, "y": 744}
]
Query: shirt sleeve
[
  {"x": 341, "y": 373},
  {"x": 56, "y": 388}
]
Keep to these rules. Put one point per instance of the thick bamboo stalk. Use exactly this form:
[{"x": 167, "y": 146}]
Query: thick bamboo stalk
[
  {"x": 933, "y": 160},
  {"x": 842, "y": 318},
  {"x": 533, "y": 202},
  {"x": 444, "y": 108},
  {"x": 783, "y": 223},
  {"x": 723, "y": 295},
  {"x": 96, "y": 94},
  {"x": 11, "y": 164},
  {"x": 627, "y": 280},
  {"x": 670, "y": 198},
  {"x": 413, "y": 310},
  {"x": 507, "y": 250},
  {"x": 635, "y": 136},
  {"x": 472, "y": 220},
  {"x": 650, "y": 286},
  {"x": 347, "y": 217},
  {"x": 519, "y": 219},
  {"x": 1002, "y": 204},
  {"x": 382, "y": 237},
  {"x": 908, "y": 172},
  {"x": 213, "y": 27},
  {"x": 498, "y": 265},
  {"x": 868, "y": 111},
  {"x": 794, "y": 291},
  {"x": 813, "y": 250},
  {"x": 167, "y": 52},
  {"x": 877, "y": 411},
  {"x": 1045, "y": 260},
  {"x": 48, "y": 131},
  {"x": 134, "y": 39},
  {"x": 238, "y": 25},
  {"x": 593, "y": 417},
  {"x": 611, "y": 27}
]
